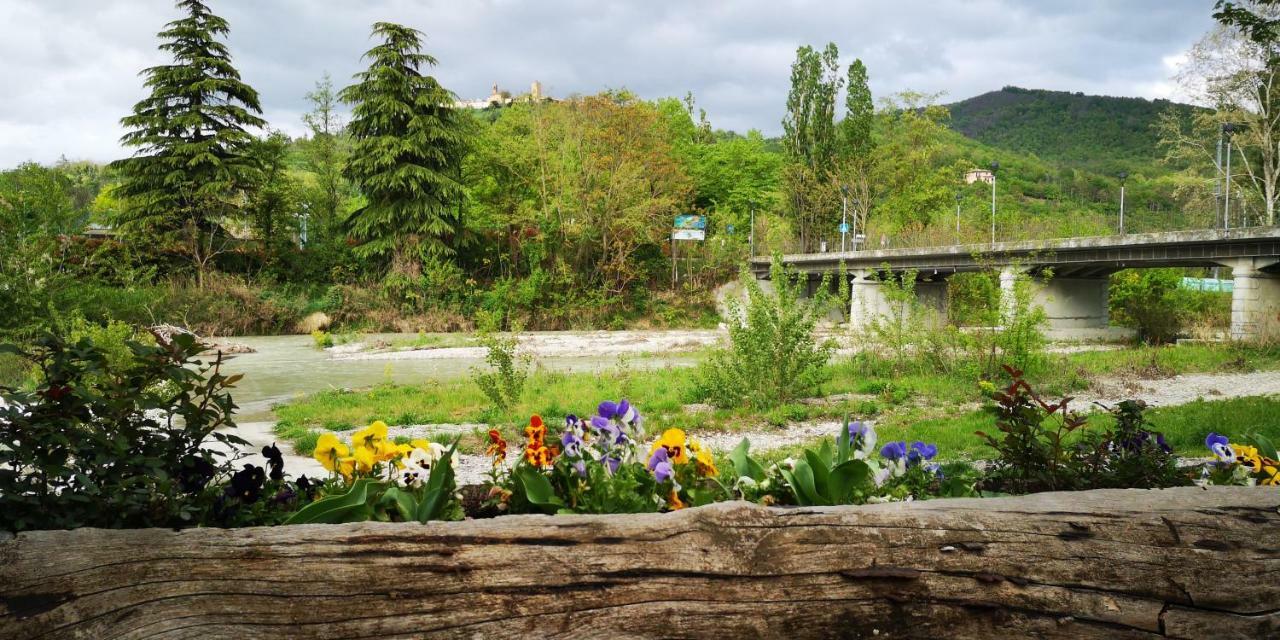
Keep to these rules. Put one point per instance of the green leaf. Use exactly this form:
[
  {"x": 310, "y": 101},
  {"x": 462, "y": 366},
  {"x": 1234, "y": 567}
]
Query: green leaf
[
  {"x": 803, "y": 484},
  {"x": 843, "y": 444},
  {"x": 537, "y": 488},
  {"x": 405, "y": 505},
  {"x": 848, "y": 477},
  {"x": 821, "y": 470},
  {"x": 1264, "y": 445},
  {"x": 438, "y": 489},
  {"x": 744, "y": 464},
  {"x": 351, "y": 506}
]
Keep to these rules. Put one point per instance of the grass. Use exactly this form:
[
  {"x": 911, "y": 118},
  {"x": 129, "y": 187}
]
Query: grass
[{"x": 936, "y": 406}]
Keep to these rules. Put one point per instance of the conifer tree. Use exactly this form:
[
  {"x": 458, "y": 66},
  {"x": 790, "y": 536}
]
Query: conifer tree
[
  {"x": 406, "y": 156},
  {"x": 191, "y": 136}
]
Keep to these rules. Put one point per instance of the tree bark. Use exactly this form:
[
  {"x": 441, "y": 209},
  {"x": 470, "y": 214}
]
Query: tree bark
[{"x": 1187, "y": 563}]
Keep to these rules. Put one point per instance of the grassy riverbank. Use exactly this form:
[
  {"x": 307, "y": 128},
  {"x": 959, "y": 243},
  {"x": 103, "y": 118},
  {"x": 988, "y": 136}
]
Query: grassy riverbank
[{"x": 941, "y": 407}]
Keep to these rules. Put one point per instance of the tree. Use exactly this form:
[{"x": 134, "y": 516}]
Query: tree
[
  {"x": 325, "y": 158},
  {"x": 272, "y": 205},
  {"x": 192, "y": 138},
  {"x": 37, "y": 213},
  {"x": 809, "y": 138},
  {"x": 1236, "y": 69},
  {"x": 408, "y": 144},
  {"x": 857, "y": 162}
]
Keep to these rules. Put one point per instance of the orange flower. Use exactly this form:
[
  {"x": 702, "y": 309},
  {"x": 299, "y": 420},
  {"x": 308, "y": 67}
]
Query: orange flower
[
  {"x": 536, "y": 432},
  {"x": 542, "y": 456},
  {"x": 497, "y": 448},
  {"x": 673, "y": 501}
]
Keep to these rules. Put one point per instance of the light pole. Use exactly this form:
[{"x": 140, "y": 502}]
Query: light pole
[
  {"x": 844, "y": 216},
  {"x": 752, "y": 241},
  {"x": 1227, "y": 129},
  {"x": 958, "y": 196},
  {"x": 1123, "y": 175},
  {"x": 995, "y": 166}
]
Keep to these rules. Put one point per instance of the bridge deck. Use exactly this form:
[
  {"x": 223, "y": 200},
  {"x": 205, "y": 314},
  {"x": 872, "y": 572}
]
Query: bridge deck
[{"x": 1083, "y": 257}]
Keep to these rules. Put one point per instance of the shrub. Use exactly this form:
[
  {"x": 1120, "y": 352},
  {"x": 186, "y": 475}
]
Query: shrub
[
  {"x": 1154, "y": 302},
  {"x": 772, "y": 355},
  {"x": 1046, "y": 447},
  {"x": 92, "y": 447},
  {"x": 503, "y": 383}
]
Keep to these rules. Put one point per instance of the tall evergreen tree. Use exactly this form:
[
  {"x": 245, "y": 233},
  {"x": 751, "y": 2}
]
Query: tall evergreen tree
[
  {"x": 408, "y": 143},
  {"x": 191, "y": 135},
  {"x": 855, "y": 129}
]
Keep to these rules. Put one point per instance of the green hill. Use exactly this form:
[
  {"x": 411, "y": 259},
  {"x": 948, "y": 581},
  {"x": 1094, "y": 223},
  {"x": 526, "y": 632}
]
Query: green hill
[{"x": 1100, "y": 133}]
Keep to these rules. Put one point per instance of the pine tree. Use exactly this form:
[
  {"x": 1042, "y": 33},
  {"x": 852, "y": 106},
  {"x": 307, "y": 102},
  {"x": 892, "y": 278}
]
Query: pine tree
[
  {"x": 408, "y": 143},
  {"x": 191, "y": 134}
]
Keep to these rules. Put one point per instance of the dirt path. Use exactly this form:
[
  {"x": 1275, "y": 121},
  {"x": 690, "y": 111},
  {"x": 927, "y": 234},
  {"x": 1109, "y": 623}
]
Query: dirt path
[
  {"x": 1181, "y": 389},
  {"x": 552, "y": 344}
]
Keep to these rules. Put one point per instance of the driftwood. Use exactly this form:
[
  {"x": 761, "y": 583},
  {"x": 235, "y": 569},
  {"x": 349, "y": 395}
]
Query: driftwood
[{"x": 1189, "y": 563}]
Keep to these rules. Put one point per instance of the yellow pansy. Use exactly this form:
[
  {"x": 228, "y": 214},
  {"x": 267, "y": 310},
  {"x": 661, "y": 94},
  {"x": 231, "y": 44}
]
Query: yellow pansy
[
  {"x": 386, "y": 450},
  {"x": 419, "y": 443},
  {"x": 346, "y": 467},
  {"x": 1248, "y": 457},
  {"x": 1270, "y": 475},
  {"x": 365, "y": 458},
  {"x": 370, "y": 436},
  {"x": 328, "y": 450},
  {"x": 706, "y": 464},
  {"x": 673, "y": 441}
]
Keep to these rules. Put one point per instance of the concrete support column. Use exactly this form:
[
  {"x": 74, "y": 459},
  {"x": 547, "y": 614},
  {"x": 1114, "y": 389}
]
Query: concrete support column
[
  {"x": 933, "y": 296},
  {"x": 1075, "y": 303},
  {"x": 1008, "y": 301},
  {"x": 867, "y": 300},
  {"x": 1255, "y": 301}
]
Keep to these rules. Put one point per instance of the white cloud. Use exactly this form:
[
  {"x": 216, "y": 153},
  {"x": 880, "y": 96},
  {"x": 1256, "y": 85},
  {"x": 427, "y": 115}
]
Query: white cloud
[{"x": 70, "y": 67}]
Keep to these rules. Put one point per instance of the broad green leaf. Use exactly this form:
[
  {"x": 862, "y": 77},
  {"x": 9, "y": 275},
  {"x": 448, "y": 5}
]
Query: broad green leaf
[
  {"x": 439, "y": 488},
  {"x": 744, "y": 464},
  {"x": 351, "y": 506},
  {"x": 821, "y": 472},
  {"x": 403, "y": 502},
  {"x": 843, "y": 444},
  {"x": 537, "y": 488},
  {"x": 824, "y": 454},
  {"x": 1264, "y": 445},
  {"x": 848, "y": 477},
  {"x": 803, "y": 475}
]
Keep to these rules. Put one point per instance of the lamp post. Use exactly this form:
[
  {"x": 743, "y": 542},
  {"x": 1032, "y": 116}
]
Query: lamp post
[
  {"x": 995, "y": 166},
  {"x": 752, "y": 240},
  {"x": 1227, "y": 130},
  {"x": 958, "y": 196},
  {"x": 844, "y": 216},
  {"x": 1123, "y": 176}
]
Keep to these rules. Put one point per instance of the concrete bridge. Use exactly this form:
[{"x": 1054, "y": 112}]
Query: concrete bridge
[{"x": 1074, "y": 294}]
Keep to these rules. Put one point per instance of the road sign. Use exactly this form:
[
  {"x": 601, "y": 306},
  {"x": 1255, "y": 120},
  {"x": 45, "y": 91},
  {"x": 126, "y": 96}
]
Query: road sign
[
  {"x": 844, "y": 227},
  {"x": 691, "y": 222},
  {"x": 688, "y": 234}
]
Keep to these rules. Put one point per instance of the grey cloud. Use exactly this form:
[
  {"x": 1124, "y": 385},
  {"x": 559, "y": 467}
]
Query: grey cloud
[{"x": 70, "y": 66}]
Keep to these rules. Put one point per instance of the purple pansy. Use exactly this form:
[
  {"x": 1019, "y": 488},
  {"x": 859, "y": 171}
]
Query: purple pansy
[
  {"x": 921, "y": 451},
  {"x": 895, "y": 450},
  {"x": 660, "y": 465},
  {"x": 607, "y": 409},
  {"x": 571, "y": 443},
  {"x": 1220, "y": 446}
]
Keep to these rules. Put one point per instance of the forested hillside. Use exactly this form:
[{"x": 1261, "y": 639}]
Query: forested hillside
[{"x": 1100, "y": 133}]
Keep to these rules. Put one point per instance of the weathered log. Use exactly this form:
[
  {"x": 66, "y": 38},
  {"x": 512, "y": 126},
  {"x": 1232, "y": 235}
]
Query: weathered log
[{"x": 1189, "y": 563}]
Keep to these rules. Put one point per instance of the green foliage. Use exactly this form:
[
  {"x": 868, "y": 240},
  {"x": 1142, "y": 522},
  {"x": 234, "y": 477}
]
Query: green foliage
[
  {"x": 191, "y": 134},
  {"x": 1098, "y": 133},
  {"x": 503, "y": 383},
  {"x": 1153, "y": 301},
  {"x": 772, "y": 355},
  {"x": 273, "y": 202},
  {"x": 406, "y": 156},
  {"x": 89, "y": 446},
  {"x": 1047, "y": 447},
  {"x": 37, "y": 211}
]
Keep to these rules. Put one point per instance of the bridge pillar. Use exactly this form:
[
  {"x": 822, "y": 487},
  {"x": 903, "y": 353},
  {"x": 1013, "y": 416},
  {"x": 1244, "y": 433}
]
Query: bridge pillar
[
  {"x": 1074, "y": 307},
  {"x": 1255, "y": 300},
  {"x": 867, "y": 301}
]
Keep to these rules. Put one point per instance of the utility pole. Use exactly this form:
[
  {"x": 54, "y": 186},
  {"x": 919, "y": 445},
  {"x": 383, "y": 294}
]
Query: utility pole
[
  {"x": 1227, "y": 129},
  {"x": 1123, "y": 175},
  {"x": 958, "y": 217},
  {"x": 752, "y": 241},
  {"x": 995, "y": 166},
  {"x": 844, "y": 216}
]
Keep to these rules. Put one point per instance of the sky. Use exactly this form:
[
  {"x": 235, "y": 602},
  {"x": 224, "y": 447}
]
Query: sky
[{"x": 70, "y": 68}]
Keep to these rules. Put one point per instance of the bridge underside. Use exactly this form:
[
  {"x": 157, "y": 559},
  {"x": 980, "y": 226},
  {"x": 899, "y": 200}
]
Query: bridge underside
[{"x": 1069, "y": 279}]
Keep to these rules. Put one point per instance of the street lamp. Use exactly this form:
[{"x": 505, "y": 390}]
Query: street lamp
[
  {"x": 1227, "y": 129},
  {"x": 1123, "y": 175},
  {"x": 958, "y": 196},
  {"x": 844, "y": 215},
  {"x": 995, "y": 166}
]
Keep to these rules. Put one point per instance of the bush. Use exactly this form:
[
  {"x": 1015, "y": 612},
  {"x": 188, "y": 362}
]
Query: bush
[
  {"x": 1047, "y": 447},
  {"x": 503, "y": 383},
  {"x": 772, "y": 355},
  {"x": 1154, "y": 302},
  {"x": 131, "y": 448}
]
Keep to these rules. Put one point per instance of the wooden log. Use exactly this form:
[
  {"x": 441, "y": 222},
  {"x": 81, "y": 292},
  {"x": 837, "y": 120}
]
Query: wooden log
[{"x": 1186, "y": 563}]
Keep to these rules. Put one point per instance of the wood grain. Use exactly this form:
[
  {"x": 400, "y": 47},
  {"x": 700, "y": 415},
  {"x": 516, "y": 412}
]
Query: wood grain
[{"x": 1188, "y": 563}]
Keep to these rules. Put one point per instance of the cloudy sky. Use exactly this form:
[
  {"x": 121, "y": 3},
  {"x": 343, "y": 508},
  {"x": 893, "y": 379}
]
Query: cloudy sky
[{"x": 70, "y": 67}]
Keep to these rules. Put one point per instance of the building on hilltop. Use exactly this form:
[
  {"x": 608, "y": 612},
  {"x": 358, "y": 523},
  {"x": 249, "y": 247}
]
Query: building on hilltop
[
  {"x": 979, "y": 175},
  {"x": 499, "y": 98}
]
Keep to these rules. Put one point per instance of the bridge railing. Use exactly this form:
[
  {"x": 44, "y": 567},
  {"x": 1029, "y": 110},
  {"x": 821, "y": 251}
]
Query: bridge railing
[{"x": 975, "y": 228}]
